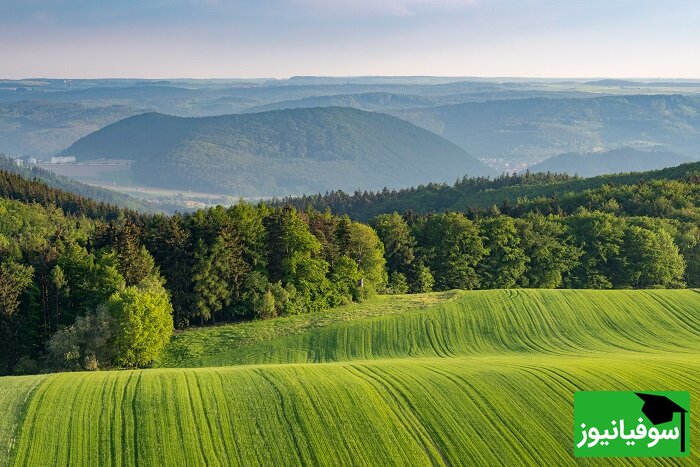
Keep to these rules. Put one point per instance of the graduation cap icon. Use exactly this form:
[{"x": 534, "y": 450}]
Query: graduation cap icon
[{"x": 660, "y": 409}]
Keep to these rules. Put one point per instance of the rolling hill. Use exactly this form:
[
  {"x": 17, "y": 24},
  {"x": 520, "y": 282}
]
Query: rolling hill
[
  {"x": 486, "y": 322},
  {"x": 479, "y": 378},
  {"x": 532, "y": 130},
  {"x": 278, "y": 152},
  {"x": 42, "y": 128},
  {"x": 610, "y": 162}
]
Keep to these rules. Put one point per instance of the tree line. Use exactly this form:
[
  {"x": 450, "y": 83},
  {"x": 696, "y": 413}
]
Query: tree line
[
  {"x": 65, "y": 188},
  {"x": 588, "y": 249},
  {"x": 81, "y": 293},
  {"x": 524, "y": 191},
  {"x": 84, "y": 286}
]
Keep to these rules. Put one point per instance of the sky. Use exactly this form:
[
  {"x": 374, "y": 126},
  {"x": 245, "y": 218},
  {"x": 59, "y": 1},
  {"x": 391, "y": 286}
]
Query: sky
[{"x": 282, "y": 38}]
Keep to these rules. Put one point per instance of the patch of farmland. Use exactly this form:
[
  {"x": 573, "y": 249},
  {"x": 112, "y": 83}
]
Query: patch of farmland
[
  {"x": 442, "y": 411},
  {"x": 488, "y": 322},
  {"x": 462, "y": 378},
  {"x": 15, "y": 392}
]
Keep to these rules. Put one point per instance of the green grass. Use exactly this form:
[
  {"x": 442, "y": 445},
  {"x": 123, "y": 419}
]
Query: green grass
[
  {"x": 14, "y": 395},
  {"x": 492, "y": 322},
  {"x": 219, "y": 345},
  {"x": 469, "y": 411},
  {"x": 468, "y": 378}
]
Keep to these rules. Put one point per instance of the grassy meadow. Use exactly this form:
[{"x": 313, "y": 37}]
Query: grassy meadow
[{"x": 461, "y": 378}]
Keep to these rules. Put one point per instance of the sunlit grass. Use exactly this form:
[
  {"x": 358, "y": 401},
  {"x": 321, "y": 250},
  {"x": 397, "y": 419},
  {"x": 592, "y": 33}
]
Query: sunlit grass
[
  {"x": 464, "y": 378},
  {"x": 513, "y": 410},
  {"x": 213, "y": 345},
  {"x": 470, "y": 323},
  {"x": 15, "y": 392}
]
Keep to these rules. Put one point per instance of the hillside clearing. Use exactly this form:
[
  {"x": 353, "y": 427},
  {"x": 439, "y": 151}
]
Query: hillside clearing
[{"x": 192, "y": 347}]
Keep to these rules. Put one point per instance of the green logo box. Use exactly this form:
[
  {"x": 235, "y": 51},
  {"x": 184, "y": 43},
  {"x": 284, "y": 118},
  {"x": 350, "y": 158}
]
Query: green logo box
[{"x": 631, "y": 424}]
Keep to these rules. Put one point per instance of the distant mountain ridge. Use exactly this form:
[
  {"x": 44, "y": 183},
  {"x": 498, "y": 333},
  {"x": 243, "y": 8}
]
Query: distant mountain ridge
[
  {"x": 610, "y": 162},
  {"x": 40, "y": 128},
  {"x": 373, "y": 101},
  {"x": 532, "y": 130},
  {"x": 279, "y": 152}
]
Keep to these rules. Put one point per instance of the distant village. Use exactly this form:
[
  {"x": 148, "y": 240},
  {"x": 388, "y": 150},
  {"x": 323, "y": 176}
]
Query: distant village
[{"x": 51, "y": 160}]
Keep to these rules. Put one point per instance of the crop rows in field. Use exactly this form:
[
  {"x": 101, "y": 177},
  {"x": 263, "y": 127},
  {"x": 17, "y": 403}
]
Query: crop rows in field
[
  {"x": 489, "y": 322},
  {"x": 484, "y": 378},
  {"x": 469, "y": 411},
  {"x": 14, "y": 395}
]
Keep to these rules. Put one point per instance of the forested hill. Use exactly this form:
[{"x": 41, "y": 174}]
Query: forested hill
[
  {"x": 609, "y": 162},
  {"x": 481, "y": 193},
  {"x": 66, "y": 186},
  {"x": 534, "y": 129},
  {"x": 16, "y": 187},
  {"x": 279, "y": 152}
]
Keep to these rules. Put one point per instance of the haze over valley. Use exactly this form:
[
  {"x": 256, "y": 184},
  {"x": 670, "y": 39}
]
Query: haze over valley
[{"x": 508, "y": 125}]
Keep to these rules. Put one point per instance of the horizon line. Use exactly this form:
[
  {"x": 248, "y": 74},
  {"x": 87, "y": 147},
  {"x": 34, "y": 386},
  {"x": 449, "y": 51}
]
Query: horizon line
[{"x": 363, "y": 76}]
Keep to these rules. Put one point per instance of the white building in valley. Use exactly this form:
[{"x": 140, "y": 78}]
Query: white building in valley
[{"x": 62, "y": 159}]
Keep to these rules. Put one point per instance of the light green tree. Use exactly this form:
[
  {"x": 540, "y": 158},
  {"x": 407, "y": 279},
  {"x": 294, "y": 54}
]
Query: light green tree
[
  {"x": 367, "y": 250},
  {"x": 143, "y": 323}
]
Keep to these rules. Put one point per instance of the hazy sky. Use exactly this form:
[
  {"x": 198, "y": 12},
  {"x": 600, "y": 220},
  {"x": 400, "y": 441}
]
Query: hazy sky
[{"x": 280, "y": 38}]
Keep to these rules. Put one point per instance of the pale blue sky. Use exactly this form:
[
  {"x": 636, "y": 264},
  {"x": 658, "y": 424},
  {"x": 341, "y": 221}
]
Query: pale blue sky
[{"x": 280, "y": 38}]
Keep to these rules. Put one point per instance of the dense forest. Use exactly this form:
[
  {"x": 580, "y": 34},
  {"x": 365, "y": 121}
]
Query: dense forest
[
  {"x": 471, "y": 193},
  {"x": 15, "y": 187},
  {"x": 84, "y": 285}
]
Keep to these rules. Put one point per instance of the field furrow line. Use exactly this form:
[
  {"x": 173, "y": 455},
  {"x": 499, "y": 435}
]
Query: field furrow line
[
  {"x": 407, "y": 412},
  {"x": 286, "y": 411}
]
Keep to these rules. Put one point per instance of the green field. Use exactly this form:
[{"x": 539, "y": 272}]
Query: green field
[
  {"x": 15, "y": 392},
  {"x": 477, "y": 323},
  {"x": 193, "y": 348},
  {"x": 466, "y": 378}
]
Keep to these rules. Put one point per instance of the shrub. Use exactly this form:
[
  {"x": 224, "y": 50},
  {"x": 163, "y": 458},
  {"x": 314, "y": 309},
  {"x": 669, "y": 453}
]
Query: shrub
[
  {"x": 85, "y": 345},
  {"x": 265, "y": 306}
]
